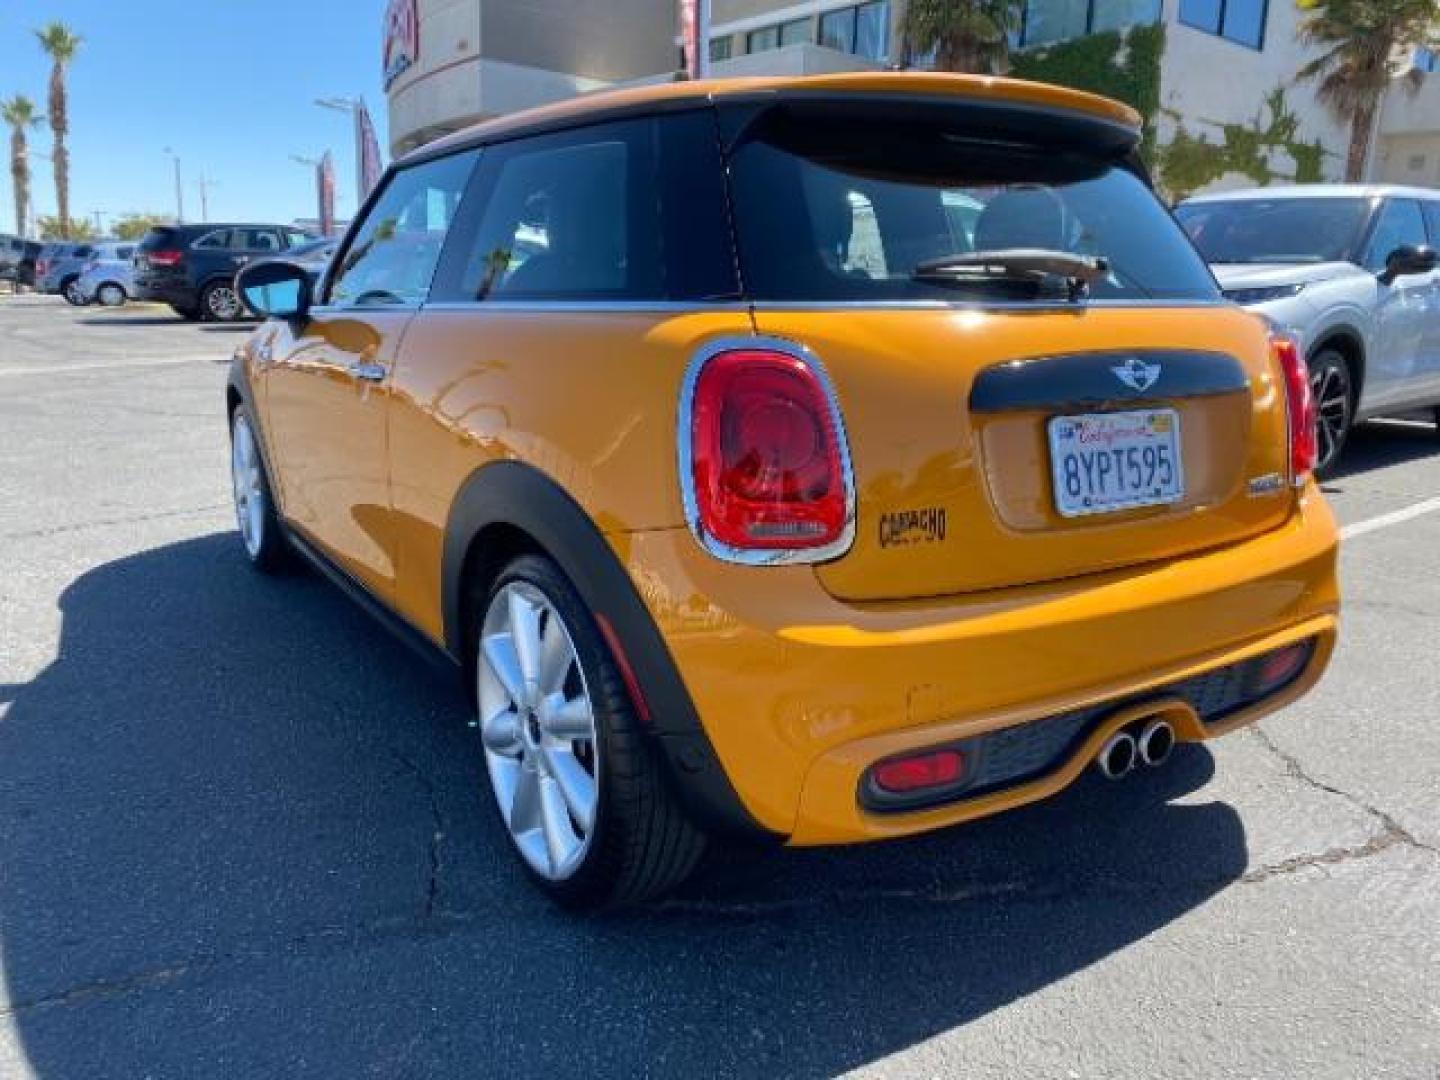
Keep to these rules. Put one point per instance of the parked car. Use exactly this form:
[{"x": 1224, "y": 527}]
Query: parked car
[
  {"x": 109, "y": 277},
  {"x": 12, "y": 250},
  {"x": 313, "y": 256},
  {"x": 57, "y": 271},
  {"x": 25, "y": 273},
  {"x": 729, "y": 534},
  {"x": 1352, "y": 271},
  {"x": 192, "y": 267}
]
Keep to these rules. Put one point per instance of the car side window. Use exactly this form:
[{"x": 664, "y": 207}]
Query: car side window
[
  {"x": 1399, "y": 223},
  {"x": 297, "y": 239},
  {"x": 566, "y": 217},
  {"x": 1432, "y": 220},
  {"x": 218, "y": 240},
  {"x": 125, "y": 253},
  {"x": 391, "y": 257},
  {"x": 264, "y": 241}
]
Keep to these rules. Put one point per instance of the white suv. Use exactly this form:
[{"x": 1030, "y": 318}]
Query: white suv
[{"x": 1352, "y": 270}]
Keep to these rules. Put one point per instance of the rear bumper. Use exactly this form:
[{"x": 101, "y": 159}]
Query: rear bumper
[
  {"x": 800, "y": 693},
  {"x": 164, "y": 292}
]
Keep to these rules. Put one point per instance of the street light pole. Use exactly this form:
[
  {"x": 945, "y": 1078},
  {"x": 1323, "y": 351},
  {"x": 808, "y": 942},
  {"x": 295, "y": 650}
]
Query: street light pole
[
  {"x": 179, "y": 189},
  {"x": 353, "y": 107},
  {"x": 313, "y": 164},
  {"x": 205, "y": 184}
]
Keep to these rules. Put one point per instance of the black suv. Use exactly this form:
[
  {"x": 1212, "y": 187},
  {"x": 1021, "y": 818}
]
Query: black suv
[{"x": 192, "y": 267}]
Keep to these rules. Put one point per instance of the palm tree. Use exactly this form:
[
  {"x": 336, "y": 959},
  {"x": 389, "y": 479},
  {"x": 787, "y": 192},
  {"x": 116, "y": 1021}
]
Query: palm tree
[
  {"x": 60, "y": 44},
  {"x": 19, "y": 112},
  {"x": 967, "y": 35},
  {"x": 1366, "y": 44}
]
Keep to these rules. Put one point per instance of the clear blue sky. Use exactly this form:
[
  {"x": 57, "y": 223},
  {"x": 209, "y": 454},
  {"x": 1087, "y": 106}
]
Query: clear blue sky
[{"x": 229, "y": 84}]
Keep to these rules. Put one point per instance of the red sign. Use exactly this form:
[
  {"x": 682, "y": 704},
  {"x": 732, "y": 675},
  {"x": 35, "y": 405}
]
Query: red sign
[{"x": 402, "y": 38}]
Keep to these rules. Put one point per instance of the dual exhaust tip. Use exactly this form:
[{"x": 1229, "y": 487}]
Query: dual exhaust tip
[{"x": 1123, "y": 751}]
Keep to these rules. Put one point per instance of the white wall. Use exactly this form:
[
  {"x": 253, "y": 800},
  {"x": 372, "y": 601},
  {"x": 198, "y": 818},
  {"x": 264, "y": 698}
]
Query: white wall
[{"x": 1211, "y": 80}]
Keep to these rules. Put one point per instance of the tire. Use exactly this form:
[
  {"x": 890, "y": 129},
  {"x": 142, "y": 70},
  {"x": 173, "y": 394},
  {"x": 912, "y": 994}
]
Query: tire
[
  {"x": 260, "y": 536},
  {"x": 70, "y": 290},
  {"x": 1333, "y": 387},
  {"x": 111, "y": 294},
  {"x": 577, "y": 788},
  {"x": 219, "y": 302},
  {"x": 189, "y": 314}
]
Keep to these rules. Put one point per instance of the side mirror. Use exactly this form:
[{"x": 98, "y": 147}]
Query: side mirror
[
  {"x": 1408, "y": 259},
  {"x": 275, "y": 289}
]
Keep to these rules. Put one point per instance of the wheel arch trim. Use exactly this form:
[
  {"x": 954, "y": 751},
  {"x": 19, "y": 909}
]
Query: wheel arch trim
[{"x": 518, "y": 496}]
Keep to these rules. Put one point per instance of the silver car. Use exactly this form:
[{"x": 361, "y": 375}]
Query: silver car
[
  {"x": 109, "y": 277},
  {"x": 58, "y": 269},
  {"x": 1352, "y": 271}
]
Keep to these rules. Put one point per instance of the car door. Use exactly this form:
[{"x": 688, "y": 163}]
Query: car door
[
  {"x": 1429, "y": 389},
  {"x": 1396, "y": 370},
  {"x": 327, "y": 381}
]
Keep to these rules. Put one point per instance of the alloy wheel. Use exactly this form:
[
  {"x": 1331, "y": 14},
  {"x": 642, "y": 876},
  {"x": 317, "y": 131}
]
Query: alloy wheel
[
  {"x": 224, "y": 303},
  {"x": 249, "y": 490},
  {"x": 537, "y": 723},
  {"x": 1330, "y": 386}
]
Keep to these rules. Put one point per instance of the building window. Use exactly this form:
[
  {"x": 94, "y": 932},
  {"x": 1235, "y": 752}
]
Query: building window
[
  {"x": 1045, "y": 22},
  {"x": 863, "y": 30},
  {"x": 795, "y": 32},
  {"x": 720, "y": 48},
  {"x": 1241, "y": 21},
  {"x": 762, "y": 40}
]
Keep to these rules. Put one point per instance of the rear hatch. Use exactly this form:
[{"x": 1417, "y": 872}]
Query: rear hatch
[
  {"x": 160, "y": 256},
  {"x": 1027, "y": 418}
]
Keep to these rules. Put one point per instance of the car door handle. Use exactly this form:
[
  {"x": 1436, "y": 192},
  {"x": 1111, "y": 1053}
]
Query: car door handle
[{"x": 368, "y": 372}]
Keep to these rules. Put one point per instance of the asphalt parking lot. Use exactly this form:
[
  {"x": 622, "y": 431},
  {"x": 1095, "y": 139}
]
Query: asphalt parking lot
[{"x": 242, "y": 830}]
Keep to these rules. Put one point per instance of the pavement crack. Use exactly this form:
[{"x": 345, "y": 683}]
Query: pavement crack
[
  {"x": 102, "y": 988},
  {"x": 104, "y": 523},
  {"x": 435, "y": 852},
  {"x": 1391, "y": 831}
]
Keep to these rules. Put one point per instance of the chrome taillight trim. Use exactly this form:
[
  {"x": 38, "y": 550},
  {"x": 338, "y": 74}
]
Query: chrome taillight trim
[{"x": 686, "y": 453}]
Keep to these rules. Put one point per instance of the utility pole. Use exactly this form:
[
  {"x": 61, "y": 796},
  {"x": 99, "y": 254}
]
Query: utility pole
[
  {"x": 179, "y": 189},
  {"x": 205, "y": 185},
  {"x": 99, "y": 225}
]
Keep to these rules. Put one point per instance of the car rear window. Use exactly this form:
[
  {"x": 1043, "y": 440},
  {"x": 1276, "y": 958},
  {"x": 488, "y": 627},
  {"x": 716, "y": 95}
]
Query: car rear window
[
  {"x": 849, "y": 210},
  {"x": 156, "y": 239}
]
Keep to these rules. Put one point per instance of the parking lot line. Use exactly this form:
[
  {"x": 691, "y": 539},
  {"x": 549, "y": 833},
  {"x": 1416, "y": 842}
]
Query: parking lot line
[{"x": 1384, "y": 521}]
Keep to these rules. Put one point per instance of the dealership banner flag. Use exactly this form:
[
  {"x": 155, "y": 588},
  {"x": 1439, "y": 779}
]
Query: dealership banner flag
[
  {"x": 370, "y": 165},
  {"x": 325, "y": 182}
]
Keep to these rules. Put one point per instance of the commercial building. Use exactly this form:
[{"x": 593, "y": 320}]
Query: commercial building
[
  {"x": 451, "y": 63},
  {"x": 1215, "y": 79}
]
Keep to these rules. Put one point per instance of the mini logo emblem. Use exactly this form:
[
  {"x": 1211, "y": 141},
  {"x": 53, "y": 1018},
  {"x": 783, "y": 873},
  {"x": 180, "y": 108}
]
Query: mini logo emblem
[{"x": 1137, "y": 374}]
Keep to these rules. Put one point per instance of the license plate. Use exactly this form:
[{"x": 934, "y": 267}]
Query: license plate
[{"x": 1106, "y": 462}]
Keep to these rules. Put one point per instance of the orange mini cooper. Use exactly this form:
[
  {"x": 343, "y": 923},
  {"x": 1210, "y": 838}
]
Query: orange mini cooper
[{"x": 824, "y": 460}]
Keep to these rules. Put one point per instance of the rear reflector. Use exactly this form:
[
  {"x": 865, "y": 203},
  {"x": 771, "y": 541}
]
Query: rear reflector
[
  {"x": 764, "y": 459},
  {"x": 1279, "y": 668},
  {"x": 938, "y": 768},
  {"x": 1300, "y": 403}
]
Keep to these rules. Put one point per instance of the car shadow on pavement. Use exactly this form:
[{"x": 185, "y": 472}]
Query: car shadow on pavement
[
  {"x": 120, "y": 319},
  {"x": 245, "y": 833},
  {"x": 1381, "y": 444}
]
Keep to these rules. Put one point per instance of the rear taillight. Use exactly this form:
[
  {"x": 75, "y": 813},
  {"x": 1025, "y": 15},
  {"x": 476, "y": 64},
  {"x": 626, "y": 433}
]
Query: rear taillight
[
  {"x": 41, "y": 266},
  {"x": 763, "y": 457},
  {"x": 165, "y": 258},
  {"x": 1300, "y": 404}
]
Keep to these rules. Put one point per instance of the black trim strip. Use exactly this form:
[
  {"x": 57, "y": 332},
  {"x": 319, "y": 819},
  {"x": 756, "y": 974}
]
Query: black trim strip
[
  {"x": 518, "y": 496},
  {"x": 1099, "y": 380}
]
